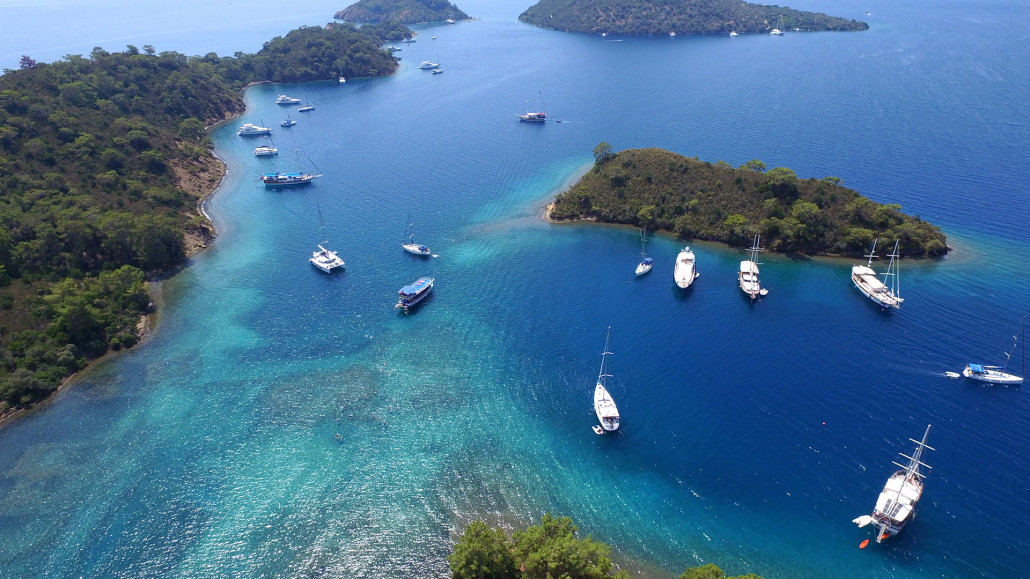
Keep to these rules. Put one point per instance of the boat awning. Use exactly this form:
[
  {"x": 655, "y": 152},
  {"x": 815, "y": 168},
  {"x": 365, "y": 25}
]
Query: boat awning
[
  {"x": 978, "y": 368},
  {"x": 416, "y": 287}
]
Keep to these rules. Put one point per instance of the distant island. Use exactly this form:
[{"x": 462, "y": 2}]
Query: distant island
[
  {"x": 401, "y": 11},
  {"x": 661, "y": 190},
  {"x": 662, "y": 17},
  {"x": 103, "y": 162}
]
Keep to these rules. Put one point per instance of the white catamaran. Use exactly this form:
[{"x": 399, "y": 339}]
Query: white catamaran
[
  {"x": 748, "y": 274},
  {"x": 325, "y": 259},
  {"x": 896, "y": 505},
  {"x": 886, "y": 294},
  {"x": 604, "y": 406}
]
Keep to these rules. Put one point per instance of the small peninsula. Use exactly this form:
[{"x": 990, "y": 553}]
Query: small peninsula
[
  {"x": 401, "y": 11},
  {"x": 662, "y": 190},
  {"x": 662, "y": 17},
  {"x": 103, "y": 163}
]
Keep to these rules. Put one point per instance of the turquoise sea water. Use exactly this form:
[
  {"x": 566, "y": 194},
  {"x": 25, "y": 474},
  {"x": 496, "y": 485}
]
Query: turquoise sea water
[{"x": 284, "y": 422}]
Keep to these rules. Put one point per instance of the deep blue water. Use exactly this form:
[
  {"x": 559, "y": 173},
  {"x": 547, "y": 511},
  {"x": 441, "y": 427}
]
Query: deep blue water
[{"x": 752, "y": 434}]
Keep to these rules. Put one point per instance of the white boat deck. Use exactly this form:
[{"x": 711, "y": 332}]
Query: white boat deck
[
  {"x": 685, "y": 268},
  {"x": 748, "y": 277},
  {"x": 899, "y": 497}
]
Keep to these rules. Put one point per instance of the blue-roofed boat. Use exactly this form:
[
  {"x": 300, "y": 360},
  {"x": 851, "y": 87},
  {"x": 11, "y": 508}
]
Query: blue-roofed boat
[
  {"x": 288, "y": 122},
  {"x": 278, "y": 179},
  {"x": 411, "y": 295},
  {"x": 997, "y": 374}
]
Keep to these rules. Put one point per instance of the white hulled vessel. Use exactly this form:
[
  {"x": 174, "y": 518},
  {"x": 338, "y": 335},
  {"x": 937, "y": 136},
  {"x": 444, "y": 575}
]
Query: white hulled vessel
[
  {"x": 686, "y": 268},
  {"x": 646, "y": 263},
  {"x": 325, "y": 259},
  {"x": 896, "y": 505},
  {"x": 249, "y": 129},
  {"x": 604, "y": 406},
  {"x": 998, "y": 374},
  {"x": 886, "y": 296},
  {"x": 748, "y": 274},
  {"x": 408, "y": 243}
]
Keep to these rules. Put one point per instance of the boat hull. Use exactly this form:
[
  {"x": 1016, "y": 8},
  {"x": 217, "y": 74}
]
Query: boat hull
[
  {"x": 865, "y": 280},
  {"x": 416, "y": 249},
  {"x": 416, "y": 293},
  {"x": 326, "y": 260},
  {"x": 286, "y": 179},
  {"x": 747, "y": 279},
  {"x": 992, "y": 376},
  {"x": 896, "y": 505},
  {"x": 604, "y": 407},
  {"x": 685, "y": 272},
  {"x": 644, "y": 267}
]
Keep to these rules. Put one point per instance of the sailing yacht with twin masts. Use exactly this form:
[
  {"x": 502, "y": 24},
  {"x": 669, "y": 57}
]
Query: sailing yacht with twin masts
[
  {"x": 886, "y": 293},
  {"x": 748, "y": 274}
]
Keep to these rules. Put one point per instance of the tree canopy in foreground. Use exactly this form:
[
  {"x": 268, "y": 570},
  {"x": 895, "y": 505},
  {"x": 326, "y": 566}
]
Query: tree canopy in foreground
[
  {"x": 660, "y": 17},
  {"x": 661, "y": 190},
  {"x": 547, "y": 551}
]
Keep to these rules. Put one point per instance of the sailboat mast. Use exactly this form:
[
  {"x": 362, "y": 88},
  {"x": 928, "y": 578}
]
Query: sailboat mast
[
  {"x": 872, "y": 252},
  {"x": 601, "y": 375}
]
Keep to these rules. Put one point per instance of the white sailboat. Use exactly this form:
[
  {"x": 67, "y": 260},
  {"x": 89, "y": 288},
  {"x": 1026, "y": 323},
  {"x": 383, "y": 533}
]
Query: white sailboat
[
  {"x": 897, "y": 502},
  {"x": 604, "y": 406},
  {"x": 645, "y": 262},
  {"x": 325, "y": 259},
  {"x": 998, "y": 374},
  {"x": 686, "y": 268},
  {"x": 409, "y": 245},
  {"x": 748, "y": 274},
  {"x": 886, "y": 296}
]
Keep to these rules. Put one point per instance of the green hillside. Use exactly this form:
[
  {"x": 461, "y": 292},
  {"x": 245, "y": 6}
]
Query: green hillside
[
  {"x": 102, "y": 162},
  {"x": 402, "y": 11},
  {"x": 717, "y": 202},
  {"x": 660, "y": 17}
]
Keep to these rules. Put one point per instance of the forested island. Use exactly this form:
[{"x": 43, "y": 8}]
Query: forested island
[
  {"x": 402, "y": 11},
  {"x": 695, "y": 199},
  {"x": 550, "y": 549},
  {"x": 661, "y": 17},
  {"x": 104, "y": 159}
]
